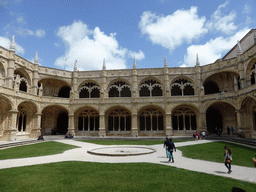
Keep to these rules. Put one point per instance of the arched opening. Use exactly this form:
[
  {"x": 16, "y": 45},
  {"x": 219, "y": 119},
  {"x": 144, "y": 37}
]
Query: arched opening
[
  {"x": 119, "y": 119},
  {"x": 182, "y": 87},
  {"x": 22, "y": 121},
  {"x": 5, "y": 107},
  {"x": 222, "y": 82},
  {"x": 253, "y": 75},
  {"x": 62, "y": 123},
  {"x": 151, "y": 119},
  {"x": 23, "y": 86},
  {"x": 219, "y": 116},
  {"x": 2, "y": 74},
  {"x": 52, "y": 87},
  {"x": 88, "y": 120},
  {"x": 188, "y": 90},
  {"x": 84, "y": 93},
  {"x": 26, "y": 116},
  {"x": 64, "y": 92},
  {"x": 54, "y": 120},
  {"x": 213, "y": 120},
  {"x": 184, "y": 118},
  {"x": 248, "y": 114},
  {"x": 126, "y": 92},
  {"x": 211, "y": 87},
  {"x": 119, "y": 89},
  {"x": 149, "y": 88},
  {"x": 113, "y": 92},
  {"x": 89, "y": 90}
]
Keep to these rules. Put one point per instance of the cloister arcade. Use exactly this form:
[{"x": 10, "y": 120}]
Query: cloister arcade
[{"x": 135, "y": 102}]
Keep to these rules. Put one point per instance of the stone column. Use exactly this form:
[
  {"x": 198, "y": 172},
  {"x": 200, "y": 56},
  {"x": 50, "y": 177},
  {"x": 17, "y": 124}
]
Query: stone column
[
  {"x": 102, "y": 128},
  {"x": 10, "y": 133},
  {"x": 35, "y": 79},
  {"x": 238, "y": 117},
  {"x": 135, "y": 131},
  {"x": 202, "y": 122},
  {"x": 71, "y": 124},
  {"x": 169, "y": 124},
  {"x": 36, "y": 130}
]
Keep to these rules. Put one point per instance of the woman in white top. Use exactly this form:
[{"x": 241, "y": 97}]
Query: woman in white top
[{"x": 228, "y": 158}]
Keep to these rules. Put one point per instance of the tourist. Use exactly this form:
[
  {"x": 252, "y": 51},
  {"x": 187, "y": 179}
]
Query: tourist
[
  {"x": 40, "y": 137},
  {"x": 216, "y": 130},
  {"x": 194, "y": 136},
  {"x": 232, "y": 130},
  {"x": 228, "y": 158},
  {"x": 171, "y": 146},
  {"x": 203, "y": 134},
  {"x": 197, "y": 138},
  {"x": 254, "y": 161},
  {"x": 166, "y": 142},
  {"x": 228, "y": 130}
]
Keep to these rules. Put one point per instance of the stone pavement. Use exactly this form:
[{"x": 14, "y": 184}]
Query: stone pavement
[{"x": 159, "y": 157}]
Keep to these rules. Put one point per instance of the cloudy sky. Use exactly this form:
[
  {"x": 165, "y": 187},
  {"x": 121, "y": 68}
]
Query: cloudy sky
[{"x": 88, "y": 31}]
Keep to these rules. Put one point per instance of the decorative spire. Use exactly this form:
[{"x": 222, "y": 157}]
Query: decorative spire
[
  {"x": 75, "y": 65},
  {"x": 36, "y": 58},
  {"x": 239, "y": 48},
  {"x": 104, "y": 65},
  {"x": 197, "y": 60},
  {"x": 134, "y": 63},
  {"x": 12, "y": 46},
  {"x": 165, "y": 62}
]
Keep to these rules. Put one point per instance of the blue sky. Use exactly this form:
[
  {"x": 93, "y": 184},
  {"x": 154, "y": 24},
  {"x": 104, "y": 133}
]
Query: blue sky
[{"x": 88, "y": 31}]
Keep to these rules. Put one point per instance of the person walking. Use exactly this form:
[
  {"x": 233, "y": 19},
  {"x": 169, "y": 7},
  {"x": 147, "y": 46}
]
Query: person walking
[
  {"x": 228, "y": 158},
  {"x": 171, "y": 147},
  {"x": 166, "y": 143}
]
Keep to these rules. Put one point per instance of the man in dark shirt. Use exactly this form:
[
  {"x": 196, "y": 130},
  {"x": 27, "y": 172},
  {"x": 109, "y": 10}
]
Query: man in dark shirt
[
  {"x": 171, "y": 147},
  {"x": 166, "y": 142}
]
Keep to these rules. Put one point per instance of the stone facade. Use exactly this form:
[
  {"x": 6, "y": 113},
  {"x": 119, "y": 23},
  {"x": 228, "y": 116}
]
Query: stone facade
[{"x": 134, "y": 102}]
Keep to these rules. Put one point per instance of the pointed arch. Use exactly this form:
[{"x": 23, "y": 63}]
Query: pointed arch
[
  {"x": 119, "y": 88},
  {"x": 150, "y": 87},
  {"x": 89, "y": 89},
  {"x": 151, "y": 118},
  {"x": 118, "y": 119}
]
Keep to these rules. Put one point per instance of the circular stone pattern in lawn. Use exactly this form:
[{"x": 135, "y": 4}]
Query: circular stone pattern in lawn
[{"x": 121, "y": 151}]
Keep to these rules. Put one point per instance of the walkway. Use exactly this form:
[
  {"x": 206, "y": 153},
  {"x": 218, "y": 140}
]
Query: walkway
[{"x": 159, "y": 157}]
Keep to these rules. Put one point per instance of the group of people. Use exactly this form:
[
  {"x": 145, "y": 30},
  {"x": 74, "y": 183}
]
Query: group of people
[
  {"x": 196, "y": 136},
  {"x": 169, "y": 147},
  {"x": 230, "y": 130},
  {"x": 69, "y": 136}
]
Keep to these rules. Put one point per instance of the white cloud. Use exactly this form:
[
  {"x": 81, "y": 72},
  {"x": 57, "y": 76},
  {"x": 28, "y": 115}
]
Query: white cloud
[
  {"x": 223, "y": 23},
  {"x": 56, "y": 44},
  {"x": 183, "y": 26},
  {"x": 89, "y": 48},
  {"x": 5, "y": 42},
  {"x": 247, "y": 9},
  {"x": 24, "y": 32},
  {"x": 39, "y": 33},
  {"x": 20, "y": 19},
  {"x": 213, "y": 49},
  {"x": 138, "y": 56}
]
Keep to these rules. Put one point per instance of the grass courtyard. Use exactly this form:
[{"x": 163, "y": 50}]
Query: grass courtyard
[
  {"x": 88, "y": 176},
  {"x": 85, "y": 176}
]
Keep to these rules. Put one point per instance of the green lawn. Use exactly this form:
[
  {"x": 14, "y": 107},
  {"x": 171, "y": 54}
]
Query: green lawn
[
  {"x": 85, "y": 176},
  {"x": 215, "y": 152},
  {"x": 130, "y": 142},
  {"x": 33, "y": 150}
]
